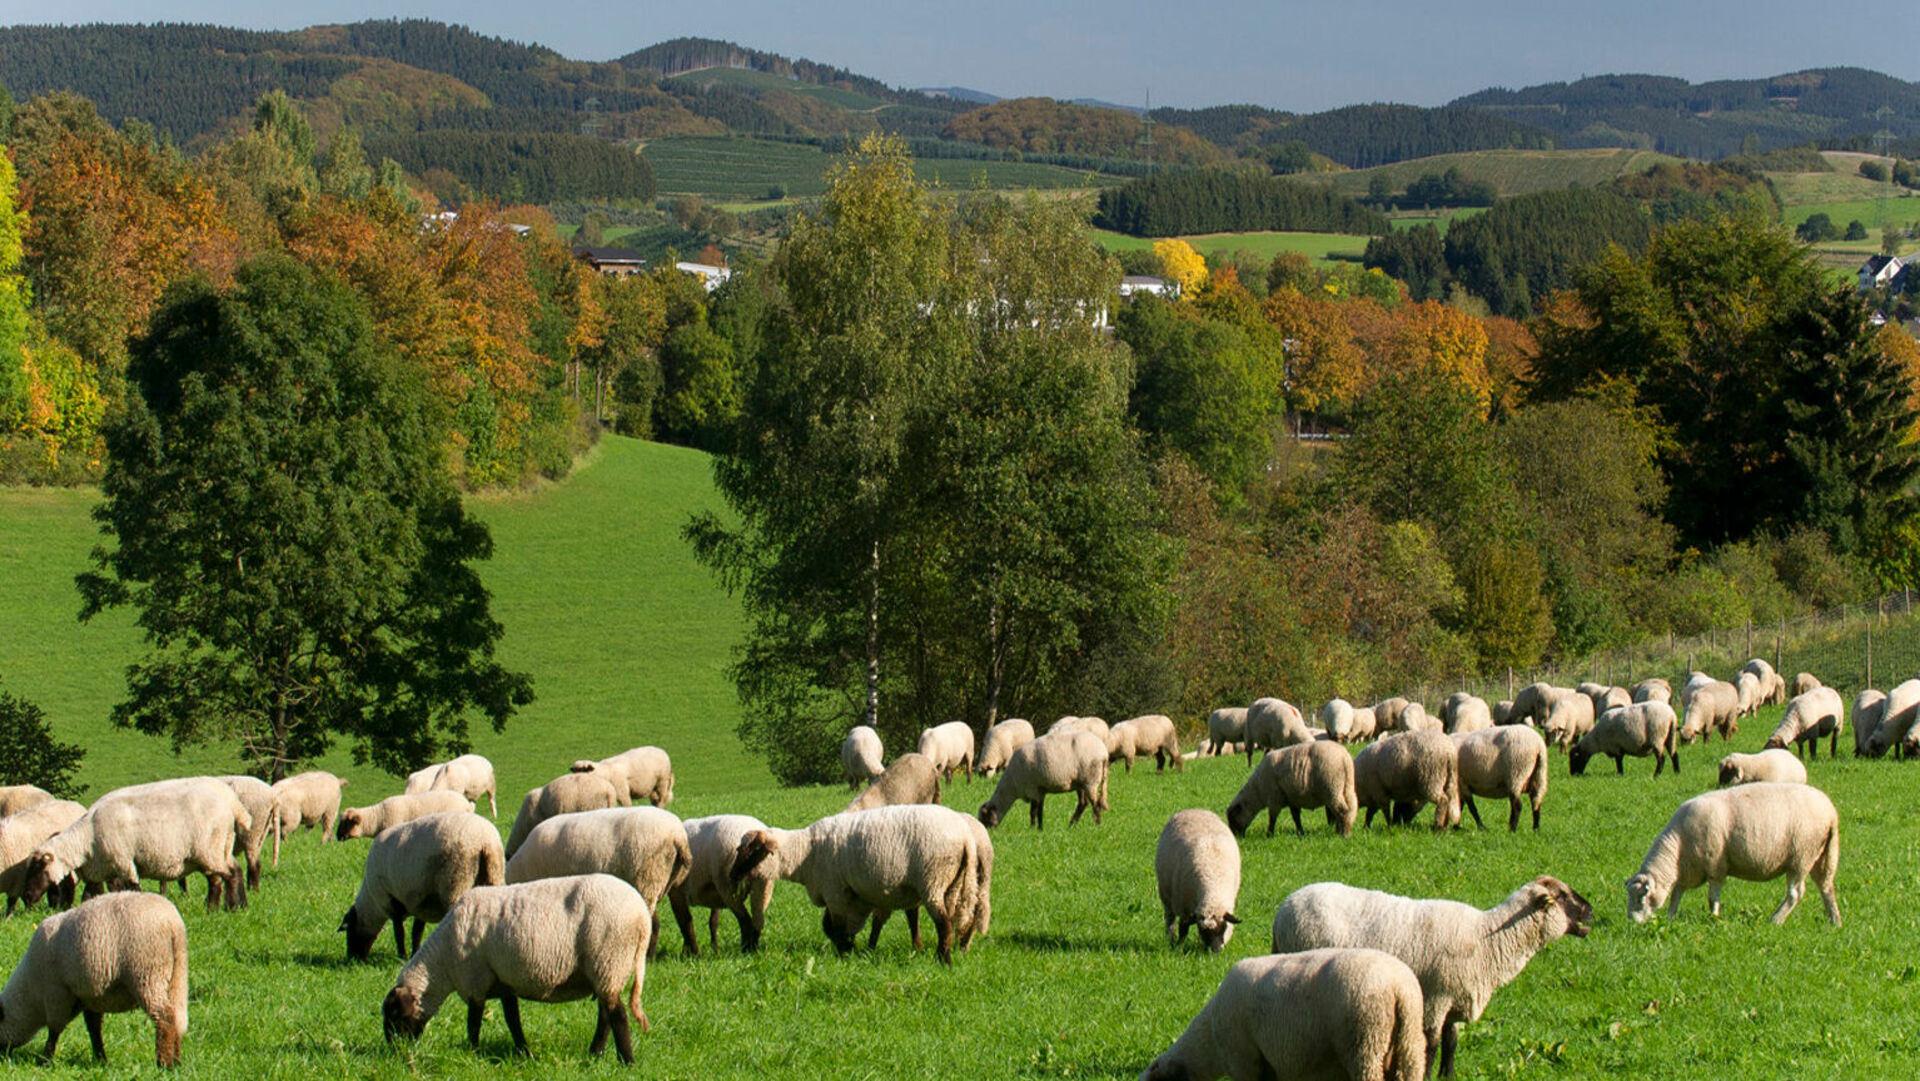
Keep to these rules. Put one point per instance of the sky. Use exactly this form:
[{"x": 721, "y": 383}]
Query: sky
[{"x": 1283, "y": 54}]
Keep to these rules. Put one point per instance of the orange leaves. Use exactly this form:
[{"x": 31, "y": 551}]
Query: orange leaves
[{"x": 1324, "y": 364}]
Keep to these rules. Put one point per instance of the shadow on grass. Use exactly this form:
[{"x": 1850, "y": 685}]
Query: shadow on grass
[{"x": 1042, "y": 942}]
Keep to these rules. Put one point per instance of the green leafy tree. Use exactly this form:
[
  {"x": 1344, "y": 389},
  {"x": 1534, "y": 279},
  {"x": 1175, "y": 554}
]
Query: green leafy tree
[
  {"x": 700, "y": 394},
  {"x": 1856, "y": 230},
  {"x": 1421, "y": 451},
  {"x": 1202, "y": 389},
  {"x": 1818, "y": 227},
  {"x": 13, "y": 308},
  {"x": 30, "y": 755},
  {"x": 281, "y": 519}
]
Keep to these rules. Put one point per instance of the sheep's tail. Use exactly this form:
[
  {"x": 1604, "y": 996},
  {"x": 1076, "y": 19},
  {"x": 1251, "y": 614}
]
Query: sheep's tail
[
  {"x": 493, "y": 867},
  {"x": 682, "y": 863},
  {"x": 273, "y": 824},
  {"x": 177, "y": 983},
  {"x": 1537, "y": 780},
  {"x": 1407, "y": 1058},
  {"x": 959, "y": 893}
]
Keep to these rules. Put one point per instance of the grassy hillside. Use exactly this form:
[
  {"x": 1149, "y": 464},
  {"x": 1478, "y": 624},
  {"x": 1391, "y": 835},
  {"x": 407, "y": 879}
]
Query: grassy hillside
[
  {"x": 1511, "y": 172},
  {"x": 1322, "y": 247}
]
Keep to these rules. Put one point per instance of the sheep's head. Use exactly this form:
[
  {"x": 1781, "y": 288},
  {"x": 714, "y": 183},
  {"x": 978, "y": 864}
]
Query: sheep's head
[
  {"x": 991, "y": 814},
  {"x": 401, "y": 1015},
  {"x": 1561, "y": 903},
  {"x": 349, "y": 826},
  {"x": 1774, "y": 743},
  {"x": 755, "y": 848},
  {"x": 359, "y": 940},
  {"x": 1577, "y": 758},
  {"x": 1167, "y": 1068},
  {"x": 1644, "y": 897},
  {"x": 585, "y": 765},
  {"x": 1217, "y": 931},
  {"x": 1240, "y": 815},
  {"x": 42, "y": 872},
  {"x": 1729, "y": 771}
]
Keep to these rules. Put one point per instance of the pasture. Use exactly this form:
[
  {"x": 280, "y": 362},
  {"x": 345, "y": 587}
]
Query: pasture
[
  {"x": 731, "y": 169},
  {"x": 1320, "y": 247},
  {"x": 627, "y": 640},
  {"x": 1511, "y": 172}
]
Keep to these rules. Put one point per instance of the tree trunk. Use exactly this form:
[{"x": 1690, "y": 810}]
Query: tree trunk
[
  {"x": 873, "y": 638},
  {"x": 996, "y": 664}
]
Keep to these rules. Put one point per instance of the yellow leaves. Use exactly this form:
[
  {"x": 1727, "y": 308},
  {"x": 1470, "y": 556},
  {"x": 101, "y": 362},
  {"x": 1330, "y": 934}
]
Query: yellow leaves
[
  {"x": 1894, "y": 343},
  {"x": 1441, "y": 340},
  {"x": 1180, "y": 264}
]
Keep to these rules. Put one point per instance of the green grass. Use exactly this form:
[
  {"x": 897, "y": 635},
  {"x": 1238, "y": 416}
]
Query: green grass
[
  {"x": 739, "y": 170},
  {"x": 748, "y": 79},
  {"x": 1322, "y": 247},
  {"x": 1511, "y": 172}
]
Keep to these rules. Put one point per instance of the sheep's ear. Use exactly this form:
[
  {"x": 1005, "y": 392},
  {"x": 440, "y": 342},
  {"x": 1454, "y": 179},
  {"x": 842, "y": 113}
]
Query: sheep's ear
[{"x": 1231, "y": 918}]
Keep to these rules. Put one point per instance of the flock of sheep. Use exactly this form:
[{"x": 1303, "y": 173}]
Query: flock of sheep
[{"x": 1360, "y": 984}]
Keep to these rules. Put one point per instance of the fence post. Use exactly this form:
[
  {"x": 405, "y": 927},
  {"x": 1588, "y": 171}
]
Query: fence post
[
  {"x": 1509, "y": 683},
  {"x": 1749, "y": 636},
  {"x": 1869, "y": 654},
  {"x": 1776, "y": 653}
]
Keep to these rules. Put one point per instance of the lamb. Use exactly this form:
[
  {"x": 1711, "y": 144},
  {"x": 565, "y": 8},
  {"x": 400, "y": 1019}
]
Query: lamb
[
  {"x": 421, "y": 868},
  {"x": 392, "y": 811},
  {"x": 1226, "y": 726},
  {"x": 641, "y": 773},
  {"x": 1301, "y": 777},
  {"x": 24, "y": 831},
  {"x": 1653, "y": 690},
  {"x": 714, "y": 842},
  {"x": 120, "y": 952},
  {"x": 861, "y": 756},
  {"x": 1868, "y": 707},
  {"x": 1461, "y": 955},
  {"x": 1465, "y": 712},
  {"x": 15, "y": 798},
  {"x": 1402, "y": 771},
  {"x": 911, "y": 779},
  {"x": 1897, "y": 715},
  {"x": 1069, "y": 762},
  {"x": 1149, "y": 735},
  {"x": 1506, "y": 762},
  {"x": 644, "y": 846},
  {"x": 1323, "y": 1014},
  {"x": 565, "y": 794},
  {"x": 1365, "y": 725},
  {"x": 555, "y": 940},
  {"x": 257, "y": 797},
  {"x": 1751, "y": 831},
  {"x": 471, "y": 775},
  {"x": 1802, "y": 683},
  {"x": 1772, "y": 687},
  {"x": 421, "y": 780},
  {"x": 1811, "y": 714},
  {"x": 1272, "y": 723},
  {"x": 1648, "y": 728},
  {"x": 1336, "y": 719},
  {"x": 1568, "y": 720},
  {"x": 165, "y": 831},
  {"x": 306, "y": 800},
  {"x": 950, "y": 748},
  {"x": 1769, "y": 765},
  {"x": 1002, "y": 740},
  {"x": 875, "y": 862},
  {"x": 1197, "y": 866},
  {"x": 1707, "y": 706}
]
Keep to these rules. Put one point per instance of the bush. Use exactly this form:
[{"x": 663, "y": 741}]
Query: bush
[
  {"x": 30, "y": 755},
  {"x": 1856, "y": 230},
  {"x": 1818, "y": 227},
  {"x": 1876, "y": 171}
]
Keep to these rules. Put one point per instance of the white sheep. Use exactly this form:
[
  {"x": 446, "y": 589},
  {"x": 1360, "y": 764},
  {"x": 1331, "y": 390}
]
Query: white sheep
[
  {"x": 1769, "y": 765},
  {"x": 645, "y": 847},
  {"x": 565, "y": 794},
  {"x": 1751, "y": 831},
  {"x": 1197, "y": 867},
  {"x": 1068, "y": 762},
  {"x": 1534, "y": 701},
  {"x": 1460, "y": 954},
  {"x": 1272, "y": 724},
  {"x": 1802, "y": 683},
  {"x": 1868, "y": 707},
  {"x": 1226, "y": 726},
  {"x": 1747, "y": 688},
  {"x": 1897, "y": 716},
  {"x": 471, "y": 775},
  {"x": 421, "y": 868},
  {"x": 912, "y": 778},
  {"x": 1771, "y": 687},
  {"x": 1506, "y": 762},
  {"x": 257, "y": 797},
  {"x": 1415, "y": 718},
  {"x": 421, "y": 780},
  {"x": 23, "y": 831},
  {"x": 1605, "y": 697},
  {"x": 120, "y": 952},
  {"x": 306, "y": 800},
  {"x": 1811, "y": 714},
  {"x": 861, "y": 756},
  {"x": 1300, "y": 777},
  {"x": 1365, "y": 725},
  {"x": 555, "y": 940},
  {"x": 1568, "y": 720},
  {"x": 394, "y": 810},
  {"x": 1095, "y": 725},
  {"x": 714, "y": 842},
  {"x": 165, "y": 830},
  {"x": 1387, "y": 714},
  {"x": 1002, "y": 740},
  {"x": 1639, "y": 730},
  {"x": 1339, "y": 1013},
  {"x": 1402, "y": 771},
  {"x": 950, "y": 748},
  {"x": 1336, "y": 719},
  {"x": 1503, "y": 712},
  {"x": 1707, "y": 706},
  {"x": 642, "y": 773},
  {"x": 1653, "y": 690},
  {"x": 1153, "y": 735},
  {"x": 15, "y": 798},
  {"x": 1464, "y": 713}
]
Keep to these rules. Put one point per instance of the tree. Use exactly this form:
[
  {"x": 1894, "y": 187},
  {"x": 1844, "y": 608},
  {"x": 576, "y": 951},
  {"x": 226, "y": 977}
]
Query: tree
[
  {"x": 1202, "y": 389},
  {"x": 1856, "y": 230},
  {"x": 1181, "y": 265},
  {"x": 1818, "y": 227},
  {"x": 281, "y": 519},
  {"x": 13, "y": 311},
  {"x": 30, "y": 755}
]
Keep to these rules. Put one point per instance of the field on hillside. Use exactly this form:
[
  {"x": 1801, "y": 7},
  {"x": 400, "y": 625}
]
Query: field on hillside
[
  {"x": 1321, "y": 247},
  {"x": 1511, "y": 172},
  {"x": 735, "y": 169}
]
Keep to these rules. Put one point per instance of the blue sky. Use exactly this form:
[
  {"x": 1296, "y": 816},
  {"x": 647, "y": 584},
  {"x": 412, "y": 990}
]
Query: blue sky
[{"x": 1280, "y": 53}]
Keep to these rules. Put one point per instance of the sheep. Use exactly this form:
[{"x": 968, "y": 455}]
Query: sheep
[
  {"x": 15, "y": 798},
  {"x": 564, "y": 794},
  {"x": 420, "y": 780},
  {"x": 1387, "y": 714},
  {"x": 861, "y": 756},
  {"x": 1149, "y": 735},
  {"x": 1506, "y": 762},
  {"x": 1811, "y": 714},
  {"x": 1323, "y": 1013},
  {"x": 1802, "y": 683},
  {"x": 1568, "y": 720},
  {"x": 392, "y": 811},
  {"x": 1605, "y": 698},
  {"x": 713, "y": 843},
  {"x": 1225, "y": 726},
  {"x": 555, "y": 940},
  {"x": 1769, "y": 765},
  {"x": 1752, "y": 831},
  {"x": 1402, "y": 771},
  {"x": 1415, "y": 718},
  {"x": 875, "y": 862},
  {"x": 1653, "y": 690},
  {"x": 1272, "y": 724},
  {"x": 1899, "y": 711},
  {"x": 421, "y": 869},
  {"x": 1069, "y": 762},
  {"x": 23, "y": 831},
  {"x": 257, "y": 797},
  {"x": 165, "y": 830},
  {"x": 1365, "y": 725},
  {"x": 1503, "y": 712},
  {"x": 1648, "y": 728},
  {"x": 950, "y": 748},
  {"x": 1301, "y": 777},
  {"x": 640, "y": 773},
  {"x": 1896, "y": 718},
  {"x": 1002, "y": 740},
  {"x": 1197, "y": 866},
  {"x": 306, "y": 800},
  {"x": 911, "y": 779},
  {"x": 1461, "y": 955},
  {"x": 1707, "y": 706},
  {"x": 1465, "y": 712},
  {"x": 1772, "y": 687},
  {"x": 1747, "y": 687},
  {"x": 1868, "y": 707},
  {"x": 644, "y": 846},
  {"x": 1534, "y": 701},
  {"x": 471, "y": 775},
  {"x": 1336, "y": 719},
  {"x": 120, "y": 952}
]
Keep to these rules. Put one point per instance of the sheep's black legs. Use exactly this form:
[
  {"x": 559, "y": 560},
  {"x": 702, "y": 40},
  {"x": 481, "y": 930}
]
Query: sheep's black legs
[
  {"x": 94, "y": 1035},
  {"x": 913, "y": 925},
  {"x": 1449, "y": 1039},
  {"x": 683, "y": 915},
  {"x": 1466, "y": 800},
  {"x": 53, "y": 1039},
  {"x": 475, "y": 1011},
  {"x": 510, "y": 1009},
  {"x": 622, "y": 1034},
  {"x": 880, "y": 920},
  {"x": 400, "y": 937},
  {"x": 601, "y": 1026},
  {"x": 419, "y": 928},
  {"x": 1297, "y": 827}
]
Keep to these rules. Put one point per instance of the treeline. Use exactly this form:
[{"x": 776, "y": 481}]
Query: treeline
[
  {"x": 1046, "y": 126},
  {"x": 1225, "y": 201},
  {"x": 524, "y": 167},
  {"x": 1357, "y": 136}
]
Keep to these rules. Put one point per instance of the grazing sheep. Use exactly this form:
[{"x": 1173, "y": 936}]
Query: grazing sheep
[
  {"x": 1069, "y": 762},
  {"x": 565, "y": 794},
  {"x": 1321, "y": 1014},
  {"x": 645, "y": 847},
  {"x": 420, "y": 780},
  {"x": 1751, "y": 831},
  {"x": 1300, "y": 777},
  {"x": 1707, "y": 706},
  {"x": 1771, "y": 687},
  {"x": 1653, "y": 690},
  {"x": 1387, "y": 714},
  {"x": 1153, "y": 735},
  {"x": 257, "y": 797},
  {"x": 1465, "y": 712},
  {"x": 1197, "y": 866},
  {"x": 1506, "y": 762},
  {"x": 1272, "y": 724},
  {"x": 714, "y": 842},
  {"x": 1746, "y": 687},
  {"x": 124, "y": 951},
  {"x": 306, "y": 800},
  {"x": 23, "y": 831},
  {"x": 421, "y": 868},
  {"x": 1897, "y": 715},
  {"x": 1079, "y": 724},
  {"x": 880, "y": 861},
  {"x": 555, "y": 940},
  {"x": 1002, "y": 740},
  {"x": 392, "y": 811},
  {"x": 1533, "y": 702},
  {"x": 641, "y": 773},
  {"x": 911, "y": 779},
  {"x": 1503, "y": 712},
  {"x": 165, "y": 830},
  {"x": 1226, "y": 726},
  {"x": 1868, "y": 707},
  {"x": 1415, "y": 718},
  {"x": 15, "y": 798},
  {"x": 950, "y": 748},
  {"x": 1365, "y": 725},
  {"x": 1402, "y": 771},
  {"x": 1646, "y": 728},
  {"x": 1811, "y": 714},
  {"x": 471, "y": 775},
  {"x": 1605, "y": 698},
  {"x": 1336, "y": 719},
  {"x": 1802, "y": 683},
  {"x": 1568, "y": 720},
  {"x": 1460, "y": 954},
  {"x": 861, "y": 756},
  {"x": 1769, "y": 765}
]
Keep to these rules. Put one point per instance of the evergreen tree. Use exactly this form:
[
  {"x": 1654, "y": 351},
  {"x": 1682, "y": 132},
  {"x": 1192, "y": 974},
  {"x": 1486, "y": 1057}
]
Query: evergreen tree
[{"x": 28, "y": 752}]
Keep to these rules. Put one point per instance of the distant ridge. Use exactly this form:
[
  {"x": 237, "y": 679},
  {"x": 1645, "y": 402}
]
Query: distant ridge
[{"x": 959, "y": 93}]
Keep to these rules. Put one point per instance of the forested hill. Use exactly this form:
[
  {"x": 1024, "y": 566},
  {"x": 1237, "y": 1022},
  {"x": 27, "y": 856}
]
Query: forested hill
[{"x": 1358, "y": 136}]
